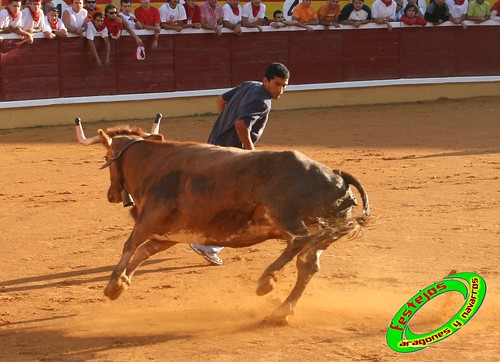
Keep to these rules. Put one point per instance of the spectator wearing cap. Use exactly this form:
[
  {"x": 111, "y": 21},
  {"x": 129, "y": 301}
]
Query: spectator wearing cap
[
  {"x": 97, "y": 29},
  {"x": 148, "y": 17},
  {"x": 75, "y": 18},
  {"x": 54, "y": 27},
  {"x": 33, "y": 19},
  {"x": 115, "y": 24},
  {"x": 11, "y": 21}
]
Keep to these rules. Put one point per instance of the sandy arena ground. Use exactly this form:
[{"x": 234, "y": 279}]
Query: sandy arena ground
[{"x": 431, "y": 171}]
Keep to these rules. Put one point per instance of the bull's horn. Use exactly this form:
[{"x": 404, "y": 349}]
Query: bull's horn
[
  {"x": 156, "y": 125},
  {"x": 81, "y": 136}
]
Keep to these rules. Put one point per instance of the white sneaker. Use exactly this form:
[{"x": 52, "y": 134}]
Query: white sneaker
[{"x": 211, "y": 257}]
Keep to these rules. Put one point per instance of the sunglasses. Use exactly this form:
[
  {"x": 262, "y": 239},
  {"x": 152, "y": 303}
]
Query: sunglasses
[
  {"x": 90, "y": 2},
  {"x": 112, "y": 12}
]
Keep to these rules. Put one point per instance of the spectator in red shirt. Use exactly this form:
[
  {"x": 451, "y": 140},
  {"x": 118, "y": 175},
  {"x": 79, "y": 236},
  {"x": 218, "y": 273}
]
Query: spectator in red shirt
[
  {"x": 148, "y": 17},
  {"x": 116, "y": 24},
  {"x": 193, "y": 14}
]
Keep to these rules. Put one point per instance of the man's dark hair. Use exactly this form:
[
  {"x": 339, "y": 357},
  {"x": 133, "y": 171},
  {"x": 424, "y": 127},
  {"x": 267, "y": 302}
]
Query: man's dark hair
[
  {"x": 125, "y": 1},
  {"x": 276, "y": 12},
  {"x": 277, "y": 70}
]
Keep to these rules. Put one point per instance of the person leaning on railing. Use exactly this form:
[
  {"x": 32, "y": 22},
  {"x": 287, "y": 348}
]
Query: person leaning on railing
[
  {"x": 383, "y": 12},
  {"x": 11, "y": 22},
  {"x": 479, "y": 11},
  {"x": 211, "y": 16},
  {"x": 328, "y": 14},
  {"x": 253, "y": 14},
  {"x": 355, "y": 14},
  {"x": 193, "y": 14},
  {"x": 75, "y": 18},
  {"x": 305, "y": 14},
  {"x": 148, "y": 17},
  {"x": 54, "y": 27}
]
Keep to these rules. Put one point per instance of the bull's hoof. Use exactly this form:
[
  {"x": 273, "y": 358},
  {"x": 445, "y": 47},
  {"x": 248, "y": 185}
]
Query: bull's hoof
[
  {"x": 116, "y": 287},
  {"x": 274, "y": 321},
  {"x": 266, "y": 285}
]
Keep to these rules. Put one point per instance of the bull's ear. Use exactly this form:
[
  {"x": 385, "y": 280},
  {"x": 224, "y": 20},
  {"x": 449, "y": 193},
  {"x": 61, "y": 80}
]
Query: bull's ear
[
  {"x": 107, "y": 140},
  {"x": 156, "y": 137}
]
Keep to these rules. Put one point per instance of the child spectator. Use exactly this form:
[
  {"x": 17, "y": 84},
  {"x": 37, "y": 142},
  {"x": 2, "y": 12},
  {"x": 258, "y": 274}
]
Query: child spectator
[
  {"x": 211, "y": 16},
  {"x": 305, "y": 13},
  {"x": 172, "y": 15},
  {"x": 96, "y": 28},
  {"x": 11, "y": 22},
  {"x": 410, "y": 16},
  {"x": 253, "y": 14},
  {"x": 232, "y": 16},
  {"x": 279, "y": 21},
  {"x": 148, "y": 18},
  {"x": 75, "y": 18},
  {"x": 421, "y": 12},
  {"x": 355, "y": 14},
  {"x": 33, "y": 18},
  {"x": 115, "y": 24},
  {"x": 328, "y": 14},
  {"x": 478, "y": 11},
  {"x": 458, "y": 11},
  {"x": 383, "y": 12},
  {"x": 54, "y": 26},
  {"x": 125, "y": 13},
  {"x": 437, "y": 12},
  {"x": 92, "y": 8},
  {"x": 193, "y": 14}
]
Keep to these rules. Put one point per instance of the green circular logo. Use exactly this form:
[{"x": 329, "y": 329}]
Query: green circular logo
[{"x": 399, "y": 336}]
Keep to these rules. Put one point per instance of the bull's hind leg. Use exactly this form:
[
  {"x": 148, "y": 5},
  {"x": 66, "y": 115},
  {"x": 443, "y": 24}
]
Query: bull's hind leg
[{"x": 144, "y": 252}]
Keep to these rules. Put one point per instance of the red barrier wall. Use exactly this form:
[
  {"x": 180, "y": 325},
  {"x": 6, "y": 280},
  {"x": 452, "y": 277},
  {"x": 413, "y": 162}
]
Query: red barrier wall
[{"x": 65, "y": 67}]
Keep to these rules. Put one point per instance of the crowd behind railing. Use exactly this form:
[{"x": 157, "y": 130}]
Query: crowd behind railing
[{"x": 83, "y": 18}]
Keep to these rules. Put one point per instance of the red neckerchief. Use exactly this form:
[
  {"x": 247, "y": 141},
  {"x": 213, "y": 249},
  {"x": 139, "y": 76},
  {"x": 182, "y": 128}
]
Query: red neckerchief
[
  {"x": 459, "y": 2},
  {"x": 255, "y": 10},
  {"x": 35, "y": 16},
  {"x": 13, "y": 16},
  {"x": 236, "y": 10},
  {"x": 387, "y": 3},
  {"x": 54, "y": 26}
]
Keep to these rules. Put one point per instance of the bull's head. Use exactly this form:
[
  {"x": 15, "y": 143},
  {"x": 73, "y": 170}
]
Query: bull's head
[{"x": 116, "y": 191}]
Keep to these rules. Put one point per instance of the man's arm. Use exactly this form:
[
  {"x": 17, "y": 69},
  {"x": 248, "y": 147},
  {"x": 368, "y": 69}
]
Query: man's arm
[
  {"x": 244, "y": 134},
  {"x": 221, "y": 104}
]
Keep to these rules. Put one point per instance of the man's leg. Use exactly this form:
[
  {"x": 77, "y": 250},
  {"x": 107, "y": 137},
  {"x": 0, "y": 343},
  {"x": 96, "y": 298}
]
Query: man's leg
[{"x": 209, "y": 252}]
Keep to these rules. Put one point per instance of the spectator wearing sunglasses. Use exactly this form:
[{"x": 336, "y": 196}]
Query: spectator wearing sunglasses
[
  {"x": 92, "y": 8},
  {"x": 115, "y": 24},
  {"x": 75, "y": 18}
]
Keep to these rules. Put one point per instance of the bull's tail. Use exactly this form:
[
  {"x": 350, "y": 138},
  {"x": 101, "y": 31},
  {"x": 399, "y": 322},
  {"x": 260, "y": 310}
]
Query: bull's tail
[{"x": 351, "y": 180}]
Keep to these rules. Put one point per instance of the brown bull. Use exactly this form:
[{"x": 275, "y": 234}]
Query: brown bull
[{"x": 227, "y": 197}]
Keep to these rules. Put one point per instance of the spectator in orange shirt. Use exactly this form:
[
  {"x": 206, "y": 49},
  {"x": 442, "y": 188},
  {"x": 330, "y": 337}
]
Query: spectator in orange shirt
[
  {"x": 328, "y": 14},
  {"x": 91, "y": 8},
  {"x": 304, "y": 13}
]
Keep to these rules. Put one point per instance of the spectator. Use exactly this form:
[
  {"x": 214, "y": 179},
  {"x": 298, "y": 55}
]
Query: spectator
[
  {"x": 211, "y": 16},
  {"x": 193, "y": 14},
  {"x": 355, "y": 14},
  {"x": 410, "y": 16},
  {"x": 232, "y": 16},
  {"x": 383, "y": 12},
  {"x": 478, "y": 11},
  {"x": 125, "y": 14},
  {"x": 437, "y": 12},
  {"x": 172, "y": 15},
  {"x": 399, "y": 10},
  {"x": 421, "y": 12},
  {"x": 54, "y": 27},
  {"x": 495, "y": 10},
  {"x": 304, "y": 13},
  {"x": 33, "y": 19},
  {"x": 279, "y": 20},
  {"x": 75, "y": 18},
  {"x": 328, "y": 14},
  {"x": 253, "y": 14},
  {"x": 96, "y": 28},
  {"x": 11, "y": 22},
  {"x": 458, "y": 11},
  {"x": 92, "y": 8},
  {"x": 148, "y": 17},
  {"x": 115, "y": 24},
  {"x": 46, "y": 5}
]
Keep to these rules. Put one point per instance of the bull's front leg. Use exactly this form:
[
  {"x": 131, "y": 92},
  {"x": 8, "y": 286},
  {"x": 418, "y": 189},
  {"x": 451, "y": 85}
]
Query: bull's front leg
[
  {"x": 119, "y": 281},
  {"x": 144, "y": 252}
]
